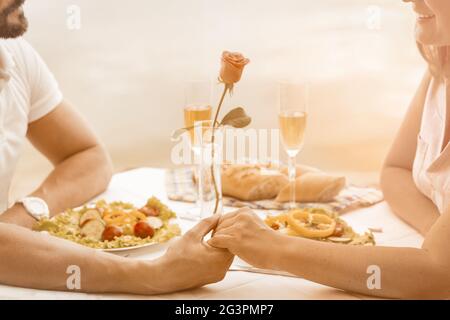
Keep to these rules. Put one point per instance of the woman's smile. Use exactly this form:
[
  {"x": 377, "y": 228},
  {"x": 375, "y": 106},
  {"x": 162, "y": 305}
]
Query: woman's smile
[
  {"x": 424, "y": 14},
  {"x": 425, "y": 17}
]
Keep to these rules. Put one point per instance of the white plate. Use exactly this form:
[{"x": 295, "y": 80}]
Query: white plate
[
  {"x": 119, "y": 250},
  {"x": 154, "y": 244}
]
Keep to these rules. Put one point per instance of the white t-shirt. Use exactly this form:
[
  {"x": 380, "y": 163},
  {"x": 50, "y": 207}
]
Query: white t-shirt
[{"x": 28, "y": 92}]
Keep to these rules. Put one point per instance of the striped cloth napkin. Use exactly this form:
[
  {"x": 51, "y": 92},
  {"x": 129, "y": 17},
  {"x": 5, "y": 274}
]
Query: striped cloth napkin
[{"x": 180, "y": 186}]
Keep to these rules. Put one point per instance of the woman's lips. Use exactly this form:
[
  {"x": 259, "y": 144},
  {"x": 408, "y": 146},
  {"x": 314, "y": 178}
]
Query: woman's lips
[{"x": 425, "y": 17}]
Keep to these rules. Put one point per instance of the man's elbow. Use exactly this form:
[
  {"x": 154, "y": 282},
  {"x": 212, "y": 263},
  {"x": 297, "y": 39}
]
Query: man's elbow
[{"x": 104, "y": 168}]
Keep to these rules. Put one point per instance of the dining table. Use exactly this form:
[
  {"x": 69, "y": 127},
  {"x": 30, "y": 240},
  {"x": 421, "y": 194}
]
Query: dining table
[{"x": 242, "y": 281}]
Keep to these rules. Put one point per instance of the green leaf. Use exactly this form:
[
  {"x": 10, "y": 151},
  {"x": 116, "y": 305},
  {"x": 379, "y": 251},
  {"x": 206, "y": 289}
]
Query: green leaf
[{"x": 236, "y": 118}]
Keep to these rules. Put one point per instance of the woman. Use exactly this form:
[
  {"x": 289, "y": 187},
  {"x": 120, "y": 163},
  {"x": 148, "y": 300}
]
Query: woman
[{"x": 416, "y": 183}]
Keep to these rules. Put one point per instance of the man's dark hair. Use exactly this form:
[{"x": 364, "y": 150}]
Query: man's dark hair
[{"x": 12, "y": 30}]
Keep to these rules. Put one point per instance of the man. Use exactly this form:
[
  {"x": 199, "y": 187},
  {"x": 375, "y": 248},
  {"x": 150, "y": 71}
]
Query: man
[{"x": 31, "y": 106}]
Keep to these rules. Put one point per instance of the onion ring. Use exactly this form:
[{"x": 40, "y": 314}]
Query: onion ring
[{"x": 298, "y": 220}]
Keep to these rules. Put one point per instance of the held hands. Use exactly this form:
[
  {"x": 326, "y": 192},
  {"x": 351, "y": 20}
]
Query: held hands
[
  {"x": 192, "y": 263},
  {"x": 244, "y": 234}
]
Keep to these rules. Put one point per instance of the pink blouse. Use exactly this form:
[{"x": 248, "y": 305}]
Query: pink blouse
[{"x": 431, "y": 170}]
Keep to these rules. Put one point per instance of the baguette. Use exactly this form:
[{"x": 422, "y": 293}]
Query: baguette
[
  {"x": 252, "y": 182},
  {"x": 313, "y": 187}
]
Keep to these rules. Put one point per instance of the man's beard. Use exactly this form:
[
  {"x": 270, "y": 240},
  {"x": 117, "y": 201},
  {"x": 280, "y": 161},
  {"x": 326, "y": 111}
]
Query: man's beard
[{"x": 14, "y": 29}]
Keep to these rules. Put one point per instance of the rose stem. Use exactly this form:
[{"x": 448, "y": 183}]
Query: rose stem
[{"x": 213, "y": 138}]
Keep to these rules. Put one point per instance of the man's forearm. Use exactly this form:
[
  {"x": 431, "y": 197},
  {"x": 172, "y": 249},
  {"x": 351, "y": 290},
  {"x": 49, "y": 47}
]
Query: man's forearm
[
  {"x": 72, "y": 182},
  {"x": 76, "y": 180},
  {"x": 406, "y": 200},
  {"x": 34, "y": 260}
]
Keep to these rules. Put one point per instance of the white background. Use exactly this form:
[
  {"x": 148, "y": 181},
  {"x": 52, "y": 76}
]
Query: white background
[{"x": 125, "y": 68}]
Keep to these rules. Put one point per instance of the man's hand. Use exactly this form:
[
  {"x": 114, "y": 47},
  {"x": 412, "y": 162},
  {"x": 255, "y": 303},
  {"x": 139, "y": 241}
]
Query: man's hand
[
  {"x": 35, "y": 260},
  {"x": 244, "y": 234},
  {"x": 191, "y": 263}
]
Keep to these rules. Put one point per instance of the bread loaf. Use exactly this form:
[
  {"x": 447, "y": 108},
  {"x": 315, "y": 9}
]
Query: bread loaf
[
  {"x": 252, "y": 182},
  {"x": 313, "y": 187},
  {"x": 261, "y": 182}
]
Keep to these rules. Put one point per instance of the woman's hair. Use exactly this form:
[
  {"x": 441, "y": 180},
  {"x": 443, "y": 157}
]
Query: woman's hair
[{"x": 438, "y": 58}]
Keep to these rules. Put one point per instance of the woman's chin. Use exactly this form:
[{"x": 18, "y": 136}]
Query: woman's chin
[
  {"x": 429, "y": 36},
  {"x": 425, "y": 37}
]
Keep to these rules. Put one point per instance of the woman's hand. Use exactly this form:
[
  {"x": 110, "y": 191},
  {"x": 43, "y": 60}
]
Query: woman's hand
[
  {"x": 191, "y": 263},
  {"x": 244, "y": 234}
]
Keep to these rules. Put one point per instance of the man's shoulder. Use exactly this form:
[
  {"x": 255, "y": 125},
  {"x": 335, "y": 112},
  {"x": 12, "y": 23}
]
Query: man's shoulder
[
  {"x": 23, "y": 55},
  {"x": 17, "y": 46}
]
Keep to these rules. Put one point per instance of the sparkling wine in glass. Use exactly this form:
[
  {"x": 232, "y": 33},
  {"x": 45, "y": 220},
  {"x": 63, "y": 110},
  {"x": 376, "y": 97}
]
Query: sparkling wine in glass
[
  {"x": 194, "y": 115},
  {"x": 293, "y": 127},
  {"x": 197, "y": 116},
  {"x": 292, "y": 117}
]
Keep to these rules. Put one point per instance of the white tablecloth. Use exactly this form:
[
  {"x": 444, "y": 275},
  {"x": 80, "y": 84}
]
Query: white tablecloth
[{"x": 138, "y": 185}]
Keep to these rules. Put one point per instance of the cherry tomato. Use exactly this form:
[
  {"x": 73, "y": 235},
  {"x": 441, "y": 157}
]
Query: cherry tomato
[
  {"x": 111, "y": 232},
  {"x": 143, "y": 230},
  {"x": 275, "y": 226}
]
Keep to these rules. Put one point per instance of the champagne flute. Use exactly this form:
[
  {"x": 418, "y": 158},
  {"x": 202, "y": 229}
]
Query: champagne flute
[
  {"x": 292, "y": 117},
  {"x": 209, "y": 170},
  {"x": 197, "y": 109}
]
